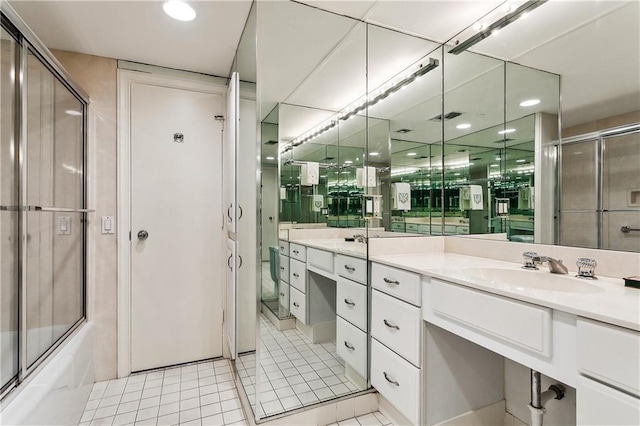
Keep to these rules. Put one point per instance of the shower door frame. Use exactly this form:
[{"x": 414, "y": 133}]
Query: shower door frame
[{"x": 28, "y": 43}]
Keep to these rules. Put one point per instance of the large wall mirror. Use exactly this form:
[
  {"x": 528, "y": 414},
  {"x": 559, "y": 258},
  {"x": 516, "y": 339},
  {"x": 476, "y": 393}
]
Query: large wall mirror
[{"x": 369, "y": 131}]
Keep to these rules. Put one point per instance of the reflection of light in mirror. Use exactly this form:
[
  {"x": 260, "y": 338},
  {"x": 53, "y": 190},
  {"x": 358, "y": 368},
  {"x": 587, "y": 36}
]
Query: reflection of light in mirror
[
  {"x": 524, "y": 16},
  {"x": 494, "y": 165},
  {"x": 463, "y": 126},
  {"x": 505, "y": 131},
  {"x": 400, "y": 171},
  {"x": 70, "y": 169},
  {"x": 529, "y": 102},
  {"x": 73, "y": 112},
  {"x": 411, "y": 154},
  {"x": 348, "y": 162},
  {"x": 495, "y": 33},
  {"x": 522, "y": 160},
  {"x": 270, "y": 158},
  {"x": 498, "y": 158},
  {"x": 374, "y": 154}
]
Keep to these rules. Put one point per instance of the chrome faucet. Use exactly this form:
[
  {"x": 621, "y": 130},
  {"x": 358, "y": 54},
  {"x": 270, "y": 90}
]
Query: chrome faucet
[
  {"x": 360, "y": 238},
  {"x": 532, "y": 260}
]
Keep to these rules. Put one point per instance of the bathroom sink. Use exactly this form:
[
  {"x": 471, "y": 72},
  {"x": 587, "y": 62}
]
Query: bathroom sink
[{"x": 522, "y": 279}]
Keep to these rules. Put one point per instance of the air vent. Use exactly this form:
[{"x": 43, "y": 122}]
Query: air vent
[
  {"x": 447, "y": 116},
  {"x": 271, "y": 142},
  {"x": 504, "y": 140},
  {"x": 403, "y": 131}
]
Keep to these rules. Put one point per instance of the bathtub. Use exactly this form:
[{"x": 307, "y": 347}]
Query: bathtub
[{"x": 57, "y": 394}]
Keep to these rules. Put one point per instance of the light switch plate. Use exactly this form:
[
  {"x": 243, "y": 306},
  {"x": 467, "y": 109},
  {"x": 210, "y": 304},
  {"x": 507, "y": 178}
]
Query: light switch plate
[
  {"x": 64, "y": 225},
  {"x": 108, "y": 225}
]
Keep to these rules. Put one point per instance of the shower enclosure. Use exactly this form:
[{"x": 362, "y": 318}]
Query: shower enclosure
[
  {"x": 42, "y": 203},
  {"x": 600, "y": 190}
]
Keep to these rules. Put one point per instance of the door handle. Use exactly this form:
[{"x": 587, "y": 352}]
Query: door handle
[
  {"x": 143, "y": 235},
  {"x": 386, "y": 376},
  {"x": 229, "y": 213},
  {"x": 388, "y": 281},
  {"x": 240, "y": 259},
  {"x": 229, "y": 264},
  {"x": 348, "y": 346},
  {"x": 349, "y": 302},
  {"x": 296, "y": 304},
  {"x": 240, "y": 208},
  {"x": 349, "y": 268}
]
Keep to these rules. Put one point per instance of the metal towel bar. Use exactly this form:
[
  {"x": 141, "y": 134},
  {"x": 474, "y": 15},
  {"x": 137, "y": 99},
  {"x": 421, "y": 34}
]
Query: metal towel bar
[{"x": 626, "y": 229}]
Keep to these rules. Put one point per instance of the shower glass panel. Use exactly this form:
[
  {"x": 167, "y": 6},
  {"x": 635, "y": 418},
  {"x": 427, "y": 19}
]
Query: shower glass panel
[
  {"x": 54, "y": 221},
  {"x": 9, "y": 212}
]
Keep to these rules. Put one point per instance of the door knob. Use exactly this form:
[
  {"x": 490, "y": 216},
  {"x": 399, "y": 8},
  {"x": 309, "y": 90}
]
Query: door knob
[{"x": 143, "y": 235}]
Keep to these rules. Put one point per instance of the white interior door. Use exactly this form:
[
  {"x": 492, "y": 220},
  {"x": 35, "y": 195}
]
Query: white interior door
[{"x": 176, "y": 194}]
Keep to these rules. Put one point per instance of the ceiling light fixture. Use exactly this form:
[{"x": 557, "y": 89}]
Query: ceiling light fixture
[
  {"x": 529, "y": 102},
  {"x": 505, "y": 131},
  {"x": 73, "y": 112},
  {"x": 411, "y": 154},
  {"x": 179, "y": 10},
  {"x": 270, "y": 158},
  {"x": 374, "y": 154},
  {"x": 463, "y": 126},
  {"x": 485, "y": 31}
]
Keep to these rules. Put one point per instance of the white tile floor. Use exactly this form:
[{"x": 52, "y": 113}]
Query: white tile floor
[
  {"x": 196, "y": 394},
  {"x": 295, "y": 372},
  {"x": 371, "y": 419}
]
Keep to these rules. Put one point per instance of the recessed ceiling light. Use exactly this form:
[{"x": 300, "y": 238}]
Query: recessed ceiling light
[
  {"x": 411, "y": 154},
  {"x": 502, "y": 132},
  {"x": 494, "y": 165},
  {"x": 348, "y": 162},
  {"x": 270, "y": 158},
  {"x": 73, "y": 112},
  {"x": 463, "y": 126},
  {"x": 522, "y": 160},
  {"x": 529, "y": 102},
  {"x": 179, "y": 10},
  {"x": 374, "y": 154}
]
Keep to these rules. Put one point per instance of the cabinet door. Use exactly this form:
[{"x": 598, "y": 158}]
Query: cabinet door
[
  {"x": 230, "y": 154},
  {"x": 598, "y": 404},
  {"x": 231, "y": 280}
]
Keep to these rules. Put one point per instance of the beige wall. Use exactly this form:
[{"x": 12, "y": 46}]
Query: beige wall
[
  {"x": 602, "y": 124},
  {"x": 98, "y": 77}
]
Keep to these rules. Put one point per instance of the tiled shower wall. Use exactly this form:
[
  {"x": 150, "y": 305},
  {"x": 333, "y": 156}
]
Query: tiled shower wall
[{"x": 98, "y": 77}]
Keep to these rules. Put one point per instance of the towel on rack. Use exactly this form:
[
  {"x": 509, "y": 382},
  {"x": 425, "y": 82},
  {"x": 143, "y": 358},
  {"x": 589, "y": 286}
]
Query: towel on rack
[
  {"x": 401, "y": 196},
  {"x": 283, "y": 193},
  {"x": 317, "y": 203},
  {"x": 476, "y": 198},
  {"x": 310, "y": 173}
]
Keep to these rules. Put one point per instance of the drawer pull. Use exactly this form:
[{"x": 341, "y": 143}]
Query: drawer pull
[
  {"x": 349, "y": 268},
  {"x": 349, "y": 302},
  {"x": 296, "y": 304},
  {"x": 282, "y": 294},
  {"x": 388, "y": 324},
  {"x": 282, "y": 248},
  {"x": 282, "y": 268},
  {"x": 349, "y": 346},
  {"x": 388, "y": 281},
  {"x": 296, "y": 252},
  {"x": 386, "y": 376},
  {"x": 295, "y": 274}
]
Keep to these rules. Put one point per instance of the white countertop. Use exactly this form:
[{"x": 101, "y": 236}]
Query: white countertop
[
  {"x": 605, "y": 299},
  {"x": 337, "y": 245}
]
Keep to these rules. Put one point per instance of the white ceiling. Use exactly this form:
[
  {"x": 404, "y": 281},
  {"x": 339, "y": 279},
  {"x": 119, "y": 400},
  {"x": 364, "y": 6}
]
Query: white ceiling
[
  {"x": 140, "y": 31},
  {"x": 310, "y": 54}
]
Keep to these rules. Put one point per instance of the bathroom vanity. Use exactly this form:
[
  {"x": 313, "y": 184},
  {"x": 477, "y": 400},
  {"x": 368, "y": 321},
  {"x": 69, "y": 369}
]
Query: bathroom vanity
[{"x": 582, "y": 333}]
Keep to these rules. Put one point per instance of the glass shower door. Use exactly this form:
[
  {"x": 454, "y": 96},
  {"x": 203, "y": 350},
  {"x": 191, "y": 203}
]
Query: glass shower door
[{"x": 9, "y": 213}]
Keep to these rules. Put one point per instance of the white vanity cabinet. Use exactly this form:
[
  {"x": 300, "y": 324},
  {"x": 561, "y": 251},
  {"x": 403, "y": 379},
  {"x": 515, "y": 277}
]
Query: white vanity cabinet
[
  {"x": 608, "y": 359},
  {"x": 283, "y": 274},
  {"x": 396, "y": 330}
]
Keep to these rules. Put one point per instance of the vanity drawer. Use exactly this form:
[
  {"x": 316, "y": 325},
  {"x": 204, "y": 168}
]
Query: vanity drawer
[
  {"x": 351, "y": 346},
  {"x": 397, "y": 324},
  {"x": 519, "y": 324},
  {"x": 411, "y": 227},
  {"x": 397, "y": 380},
  {"x": 598, "y": 404},
  {"x": 284, "y": 247},
  {"x": 284, "y": 268},
  {"x": 320, "y": 259},
  {"x": 396, "y": 282},
  {"x": 298, "y": 305},
  {"x": 296, "y": 251},
  {"x": 351, "y": 302},
  {"x": 352, "y": 268},
  {"x": 298, "y": 275},
  {"x": 283, "y": 294},
  {"x": 610, "y": 354}
]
